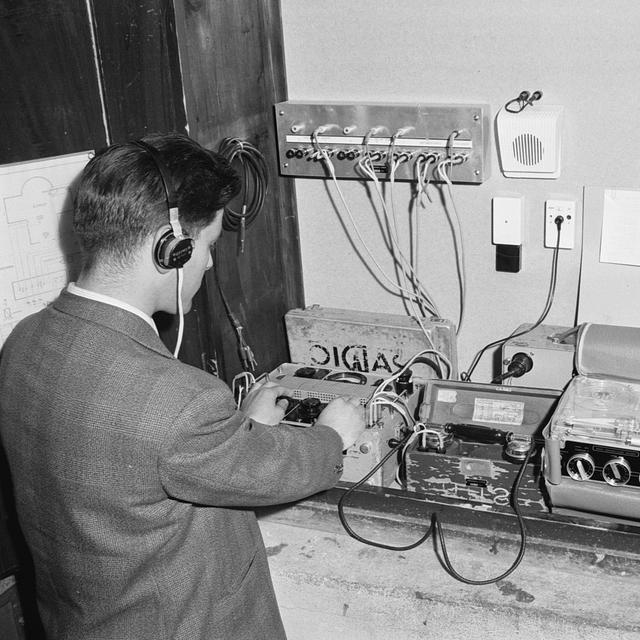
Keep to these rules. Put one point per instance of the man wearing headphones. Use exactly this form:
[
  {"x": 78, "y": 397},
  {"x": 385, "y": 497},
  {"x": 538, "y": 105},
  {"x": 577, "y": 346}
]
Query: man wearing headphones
[{"x": 134, "y": 474}]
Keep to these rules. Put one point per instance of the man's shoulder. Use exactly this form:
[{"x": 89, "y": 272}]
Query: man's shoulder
[{"x": 25, "y": 326}]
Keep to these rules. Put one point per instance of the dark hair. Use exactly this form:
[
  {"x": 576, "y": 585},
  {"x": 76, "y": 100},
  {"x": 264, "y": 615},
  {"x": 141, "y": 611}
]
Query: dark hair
[{"x": 120, "y": 198}]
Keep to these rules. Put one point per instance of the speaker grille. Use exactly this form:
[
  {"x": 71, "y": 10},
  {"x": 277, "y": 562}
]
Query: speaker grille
[{"x": 528, "y": 149}]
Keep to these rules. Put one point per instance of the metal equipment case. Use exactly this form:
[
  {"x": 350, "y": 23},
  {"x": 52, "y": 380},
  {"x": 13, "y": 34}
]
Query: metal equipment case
[
  {"x": 592, "y": 442},
  {"x": 551, "y": 349},
  {"x": 378, "y": 343},
  {"x": 478, "y": 422},
  {"x": 311, "y": 388}
]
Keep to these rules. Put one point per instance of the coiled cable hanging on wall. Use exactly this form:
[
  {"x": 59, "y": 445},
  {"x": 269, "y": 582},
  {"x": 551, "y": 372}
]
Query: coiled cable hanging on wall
[{"x": 252, "y": 167}]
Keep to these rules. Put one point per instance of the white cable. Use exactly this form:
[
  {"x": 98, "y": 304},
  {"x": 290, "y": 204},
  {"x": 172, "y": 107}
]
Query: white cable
[
  {"x": 396, "y": 250},
  {"x": 412, "y": 295},
  {"x": 420, "y": 293},
  {"x": 404, "y": 263},
  {"x": 412, "y": 252},
  {"x": 180, "y": 315},
  {"x": 416, "y": 280},
  {"x": 381, "y": 389},
  {"x": 419, "y": 429},
  {"x": 240, "y": 386},
  {"x": 456, "y": 228},
  {"x": 356, "y": 229},
  {"x": 397, "y": 404},
  {"x": 421, "y": 169}
]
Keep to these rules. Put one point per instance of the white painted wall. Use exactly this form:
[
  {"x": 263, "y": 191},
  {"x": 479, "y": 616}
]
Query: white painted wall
[{"x": 582, "y": 54}]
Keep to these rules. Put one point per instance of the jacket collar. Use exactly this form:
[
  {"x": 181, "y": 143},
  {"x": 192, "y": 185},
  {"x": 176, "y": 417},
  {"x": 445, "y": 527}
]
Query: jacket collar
[{"x": 113, "y": 317}]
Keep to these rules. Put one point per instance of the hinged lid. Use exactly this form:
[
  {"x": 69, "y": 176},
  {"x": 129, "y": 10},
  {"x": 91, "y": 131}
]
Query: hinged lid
[{"x": 522, "y": 410}]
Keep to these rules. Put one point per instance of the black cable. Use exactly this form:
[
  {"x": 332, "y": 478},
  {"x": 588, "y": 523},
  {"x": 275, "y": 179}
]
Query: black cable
[
  {"x": 360, "y": 482},
  {"x": 436, "y": 525},
  {"x": 251, "y": 165},
  {"x": 466, "y": 375},
  {"x": 245, "y": 353},
  {"x": 445, "y": 560},
  {"x": 520, "y": 364},
  {"x": 523, "y": 100}
]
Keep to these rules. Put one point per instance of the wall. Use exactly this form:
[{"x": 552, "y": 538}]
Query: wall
[{"x": 581, "y": 54}]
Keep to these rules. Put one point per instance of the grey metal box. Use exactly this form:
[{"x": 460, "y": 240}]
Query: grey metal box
[{"x": 369, "y": 342}]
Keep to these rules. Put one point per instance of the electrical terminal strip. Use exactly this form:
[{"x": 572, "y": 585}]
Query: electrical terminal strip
[{"x": 413, "y": 138}]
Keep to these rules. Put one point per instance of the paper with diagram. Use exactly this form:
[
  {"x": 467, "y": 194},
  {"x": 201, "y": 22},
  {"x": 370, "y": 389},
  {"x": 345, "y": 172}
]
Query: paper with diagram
[{"x": 38, "y": 252}]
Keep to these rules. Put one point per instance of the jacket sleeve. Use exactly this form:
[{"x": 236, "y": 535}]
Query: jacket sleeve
[{"x": 215, "y": 455}]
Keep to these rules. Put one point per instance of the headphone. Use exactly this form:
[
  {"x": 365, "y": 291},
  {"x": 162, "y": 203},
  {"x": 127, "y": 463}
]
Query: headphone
[{"x": 173, "y": 249}]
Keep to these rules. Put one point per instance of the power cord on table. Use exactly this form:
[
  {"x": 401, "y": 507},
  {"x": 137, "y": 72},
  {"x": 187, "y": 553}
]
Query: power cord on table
[
  {"x": 446, "y": 561},
  {"x": 436, "y": 525},
  {"x": 466, "y": 375},
  {"x": 348, "y": 492}
]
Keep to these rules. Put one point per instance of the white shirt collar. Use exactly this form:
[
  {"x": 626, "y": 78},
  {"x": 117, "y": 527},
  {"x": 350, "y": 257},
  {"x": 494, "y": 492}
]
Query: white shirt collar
[{"x": 73, "y": 288}]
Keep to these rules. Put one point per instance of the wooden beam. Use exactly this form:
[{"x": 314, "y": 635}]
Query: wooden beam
[{"x": 233, "y": 74}]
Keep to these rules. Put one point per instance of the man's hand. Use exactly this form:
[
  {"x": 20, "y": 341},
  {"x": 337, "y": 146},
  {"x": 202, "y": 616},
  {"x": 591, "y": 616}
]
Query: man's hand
[
  {"x": 260, "y": 404},
  {"x": 346, "y": 416}
]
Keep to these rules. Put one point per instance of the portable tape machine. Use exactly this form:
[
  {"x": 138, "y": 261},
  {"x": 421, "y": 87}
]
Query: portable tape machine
[
  {"x": 310, "y": 389},
  {"x": 592, "y": 442}
]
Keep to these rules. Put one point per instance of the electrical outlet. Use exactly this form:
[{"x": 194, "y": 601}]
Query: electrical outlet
[{"x": 567, "y": 210}]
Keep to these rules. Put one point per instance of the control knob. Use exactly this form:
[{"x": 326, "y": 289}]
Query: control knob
[
  {"x": 581, "y": 467},
  {"x": 616, "y": 472}
]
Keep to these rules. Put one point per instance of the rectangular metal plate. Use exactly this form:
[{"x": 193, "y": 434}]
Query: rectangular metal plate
[{"x": 409, "y": 133}]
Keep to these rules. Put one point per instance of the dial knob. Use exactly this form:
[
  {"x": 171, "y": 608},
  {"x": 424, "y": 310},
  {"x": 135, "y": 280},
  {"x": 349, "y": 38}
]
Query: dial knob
[
  {"x": 310, "y": 409},
  {"x": 581, "y": 466},
  {"x": 616, "y": 472}
]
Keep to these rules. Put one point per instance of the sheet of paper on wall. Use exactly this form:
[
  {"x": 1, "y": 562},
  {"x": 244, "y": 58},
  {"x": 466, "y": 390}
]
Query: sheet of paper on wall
[
  {"x": 38, "y": 252},
  {"x": 620, "y": 239}
]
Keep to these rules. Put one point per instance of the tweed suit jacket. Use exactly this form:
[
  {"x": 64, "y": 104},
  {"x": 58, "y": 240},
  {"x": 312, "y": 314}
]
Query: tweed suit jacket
[{"x": 135, "y": 478}]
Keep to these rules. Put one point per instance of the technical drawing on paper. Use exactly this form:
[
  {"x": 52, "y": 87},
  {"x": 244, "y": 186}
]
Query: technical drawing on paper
[{"x": 37, "y": 248}]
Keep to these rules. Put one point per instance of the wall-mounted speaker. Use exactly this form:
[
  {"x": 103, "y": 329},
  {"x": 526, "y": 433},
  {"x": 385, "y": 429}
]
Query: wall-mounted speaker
[{"x": 529, "y": 142}]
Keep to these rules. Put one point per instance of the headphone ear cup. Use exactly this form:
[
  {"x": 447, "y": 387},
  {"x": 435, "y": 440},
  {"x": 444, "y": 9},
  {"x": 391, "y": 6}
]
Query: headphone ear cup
[{"x": 172, "y": 252}]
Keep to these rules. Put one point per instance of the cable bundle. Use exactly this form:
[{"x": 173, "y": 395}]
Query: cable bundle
[
  {"x": 250, "y": 163},
  {"x": 407, "y": 284}
]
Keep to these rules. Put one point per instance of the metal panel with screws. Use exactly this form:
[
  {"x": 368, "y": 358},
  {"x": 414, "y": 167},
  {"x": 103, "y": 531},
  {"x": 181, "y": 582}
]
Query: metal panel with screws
[{"x": 395, "y": 140}]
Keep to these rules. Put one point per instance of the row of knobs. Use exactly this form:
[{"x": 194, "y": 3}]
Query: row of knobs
[{"x": 616, "y": 471}]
